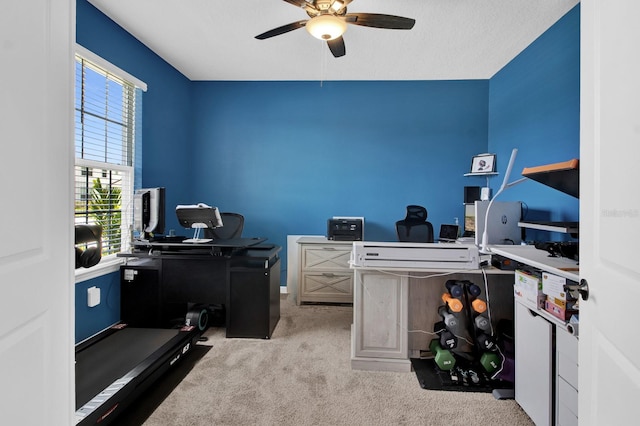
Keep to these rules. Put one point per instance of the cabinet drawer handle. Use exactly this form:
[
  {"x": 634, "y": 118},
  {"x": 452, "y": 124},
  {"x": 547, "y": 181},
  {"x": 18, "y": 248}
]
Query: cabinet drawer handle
[
  {"x": 328, "y": 274},
  {"x": 329, "y": 248}
]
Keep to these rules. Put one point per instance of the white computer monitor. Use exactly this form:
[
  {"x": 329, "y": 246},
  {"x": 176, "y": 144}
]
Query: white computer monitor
[{"x": 503, "y": 222}]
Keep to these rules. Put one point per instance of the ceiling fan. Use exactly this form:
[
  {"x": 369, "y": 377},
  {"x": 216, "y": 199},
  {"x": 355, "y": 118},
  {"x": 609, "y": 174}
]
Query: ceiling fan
[{"x": 329, "y": 19}]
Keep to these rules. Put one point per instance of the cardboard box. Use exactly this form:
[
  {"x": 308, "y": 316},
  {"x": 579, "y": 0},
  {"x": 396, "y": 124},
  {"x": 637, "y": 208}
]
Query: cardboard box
[
  {"x": 562, "y": 312},
  {"x": 528, "y": 286},
  {"x": 555, "y": 288}
]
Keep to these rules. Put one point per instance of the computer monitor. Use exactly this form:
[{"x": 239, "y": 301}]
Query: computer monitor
[
  {"x": 198, "y": 216},
  {"x": 149, "y": 211},
  {"x": 502, "y": 224}
]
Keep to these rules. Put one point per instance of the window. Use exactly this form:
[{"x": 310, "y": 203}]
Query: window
[{"x": 105, "y": 144}]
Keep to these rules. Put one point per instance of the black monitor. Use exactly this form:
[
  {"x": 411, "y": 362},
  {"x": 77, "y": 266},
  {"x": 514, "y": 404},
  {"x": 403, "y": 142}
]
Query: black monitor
[
  {"x": 199, "y": 217},
  {"x": 149, "y": 211}
]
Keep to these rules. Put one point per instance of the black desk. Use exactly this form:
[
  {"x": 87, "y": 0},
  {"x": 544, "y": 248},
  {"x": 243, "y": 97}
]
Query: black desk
[{"x": 240, "y": 277}]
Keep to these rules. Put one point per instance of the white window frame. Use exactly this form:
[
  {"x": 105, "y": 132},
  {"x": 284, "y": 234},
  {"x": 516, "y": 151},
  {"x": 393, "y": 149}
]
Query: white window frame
[{"x": 110, "y": 263}]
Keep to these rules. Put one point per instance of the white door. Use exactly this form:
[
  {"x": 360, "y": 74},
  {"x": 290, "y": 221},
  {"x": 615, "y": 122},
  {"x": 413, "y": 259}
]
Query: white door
[
  {"x": 609, "y": 361},
  {"x": 36, "y": 154}
]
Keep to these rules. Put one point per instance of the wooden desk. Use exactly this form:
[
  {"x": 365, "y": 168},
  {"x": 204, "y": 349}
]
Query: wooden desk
[{"x": 394, "y": 311}]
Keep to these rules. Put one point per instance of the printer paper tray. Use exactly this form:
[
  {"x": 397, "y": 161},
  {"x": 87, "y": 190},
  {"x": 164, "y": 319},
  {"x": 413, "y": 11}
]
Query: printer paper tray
[{"x": 415, "y": 255}]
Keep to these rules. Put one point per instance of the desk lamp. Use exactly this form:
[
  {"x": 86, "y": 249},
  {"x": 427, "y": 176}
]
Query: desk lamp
[{"x": 484, "y": 247}]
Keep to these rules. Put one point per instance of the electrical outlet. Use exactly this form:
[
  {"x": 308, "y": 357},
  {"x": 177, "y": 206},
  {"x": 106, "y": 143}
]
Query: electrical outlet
[{"x": 93, "y": 296}]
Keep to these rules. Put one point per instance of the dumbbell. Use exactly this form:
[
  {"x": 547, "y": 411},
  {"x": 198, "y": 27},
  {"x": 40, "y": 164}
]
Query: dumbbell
[
  {"x": 454, "y": 304},
  {"x": 449, "y": 320},
  {"x": 486, "y": 342},
  {"x": 443, "y": 358},
  {"x": 473, "y": 289},
  {"x": 479, "y": 305},
  {"x": 448, "y": 340},
  {"x": 490, "y": 361},
  {"x": 482, "y": 323},
  {"x": 454, "y": 288}
]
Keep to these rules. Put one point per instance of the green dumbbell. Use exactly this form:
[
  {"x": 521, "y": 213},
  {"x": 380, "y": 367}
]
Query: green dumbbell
[
  {"x": 443, "y": 358},
  {"x": 490, "y": 361}
]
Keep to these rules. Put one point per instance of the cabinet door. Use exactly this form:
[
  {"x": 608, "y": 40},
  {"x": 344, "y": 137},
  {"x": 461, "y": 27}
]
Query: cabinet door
[
  {"x": 380, "y": 319},
  {"x": 533, "y": 365}
]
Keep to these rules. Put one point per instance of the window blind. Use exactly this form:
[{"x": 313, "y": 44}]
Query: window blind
[{"x": 105, "y": 128}]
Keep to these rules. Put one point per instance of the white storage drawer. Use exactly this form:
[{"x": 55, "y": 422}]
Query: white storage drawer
[
  {"x": 336, "y": 287},
  {"x": 324, "y": 273},
  {"x": 325, "y": 257},
  {"x": 567, "y": 403}
]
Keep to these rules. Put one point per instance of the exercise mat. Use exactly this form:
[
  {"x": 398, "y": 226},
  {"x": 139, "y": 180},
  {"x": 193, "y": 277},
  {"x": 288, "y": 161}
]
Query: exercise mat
[{"x": 462, "y": 378}]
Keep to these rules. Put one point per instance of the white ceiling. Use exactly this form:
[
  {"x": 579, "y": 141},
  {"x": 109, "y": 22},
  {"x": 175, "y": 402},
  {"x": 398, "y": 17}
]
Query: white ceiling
[{"x": 451, "y": 40}]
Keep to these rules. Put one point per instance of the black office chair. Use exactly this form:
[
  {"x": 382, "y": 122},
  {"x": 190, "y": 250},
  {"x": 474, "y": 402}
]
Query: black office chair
[
  {"x": 233, "y": 223},
  {"x": 414, "y": 227}
]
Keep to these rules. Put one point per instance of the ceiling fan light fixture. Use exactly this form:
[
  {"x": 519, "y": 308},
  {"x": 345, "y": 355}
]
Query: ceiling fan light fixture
[{"x": 326, "y": 27}]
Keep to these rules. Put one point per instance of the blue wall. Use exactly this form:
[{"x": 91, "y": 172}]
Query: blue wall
[
  {"x": 289, "y": 155},
  {"x": 89, "y": 321},
  {"x": 534, "y": 106},
  {"x": 166, "y": 113},
  {"x": 166, "y": 126}
]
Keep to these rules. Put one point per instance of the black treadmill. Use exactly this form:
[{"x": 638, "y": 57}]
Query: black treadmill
[{"x": 114, "y": 367}]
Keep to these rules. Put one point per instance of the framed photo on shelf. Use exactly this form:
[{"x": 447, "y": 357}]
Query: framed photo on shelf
[{"x": 483, "y": 163}]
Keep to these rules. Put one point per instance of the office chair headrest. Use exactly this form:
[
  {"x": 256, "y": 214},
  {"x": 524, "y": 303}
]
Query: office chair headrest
[{"x": 416, "y": 214}]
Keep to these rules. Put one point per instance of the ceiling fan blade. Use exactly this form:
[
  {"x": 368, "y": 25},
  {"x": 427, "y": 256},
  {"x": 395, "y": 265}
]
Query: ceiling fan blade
[
  {"x": 377, "y": 20},
  {"x": 281, "y": 30},
  {"x": 337, "y": 47}
]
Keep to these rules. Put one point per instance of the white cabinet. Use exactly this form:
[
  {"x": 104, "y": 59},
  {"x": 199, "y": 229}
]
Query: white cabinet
[
  {"x": 324, "y": 274},
  {"x": 546, "y": 353},
  {"x": 534, "y": 364}
]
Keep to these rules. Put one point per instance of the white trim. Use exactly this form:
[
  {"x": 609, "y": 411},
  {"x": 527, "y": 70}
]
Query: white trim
[
  {"x": 108, "y": 66},
  {"x": 101, "y": 165},
  {"x": 107, "y": 265}
]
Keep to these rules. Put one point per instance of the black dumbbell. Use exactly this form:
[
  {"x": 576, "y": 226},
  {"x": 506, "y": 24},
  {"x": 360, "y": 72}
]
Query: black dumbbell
[
  {"x": 448, "y": 340},
  {"x": 486, "y": 342}
]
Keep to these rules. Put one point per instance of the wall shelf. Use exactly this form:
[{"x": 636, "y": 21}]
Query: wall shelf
[
  {"x": 562, "y": 227},
  {"x": 481, "y": 174}
]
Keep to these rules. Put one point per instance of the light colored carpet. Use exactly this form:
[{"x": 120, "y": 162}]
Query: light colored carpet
[{"x": 302, "y": 376}]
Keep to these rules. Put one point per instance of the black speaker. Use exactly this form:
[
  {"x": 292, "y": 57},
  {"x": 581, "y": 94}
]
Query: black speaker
[{"x": 471, "y": 194}]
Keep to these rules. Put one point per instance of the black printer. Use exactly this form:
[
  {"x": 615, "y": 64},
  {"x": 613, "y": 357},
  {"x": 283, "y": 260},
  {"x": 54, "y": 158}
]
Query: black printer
[{"x": 344, "y": 229}]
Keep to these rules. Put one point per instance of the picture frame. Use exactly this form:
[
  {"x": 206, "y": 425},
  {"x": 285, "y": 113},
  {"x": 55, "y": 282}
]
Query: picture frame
[{"x": 483, "y": 163}]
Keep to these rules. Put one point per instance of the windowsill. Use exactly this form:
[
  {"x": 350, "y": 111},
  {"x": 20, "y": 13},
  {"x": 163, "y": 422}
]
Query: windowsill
[{"x": 106, "y": 266}]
